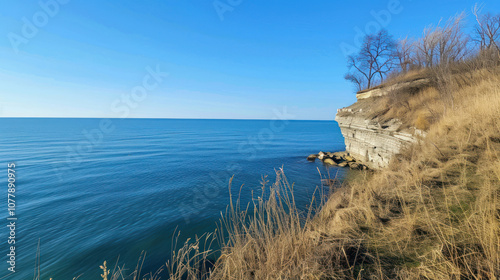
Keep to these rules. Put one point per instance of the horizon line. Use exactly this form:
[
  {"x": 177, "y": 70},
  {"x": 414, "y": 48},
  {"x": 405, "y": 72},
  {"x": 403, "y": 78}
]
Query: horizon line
[{"x": 147, "y": 118}]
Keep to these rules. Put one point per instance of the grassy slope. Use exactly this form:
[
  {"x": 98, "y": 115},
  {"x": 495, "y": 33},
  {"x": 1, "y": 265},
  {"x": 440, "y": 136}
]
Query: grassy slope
[{"x": 434, "y": 213}]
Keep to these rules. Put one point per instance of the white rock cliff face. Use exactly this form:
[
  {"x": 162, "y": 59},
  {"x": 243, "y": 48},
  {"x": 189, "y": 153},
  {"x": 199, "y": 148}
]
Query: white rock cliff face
[{"x": 370, "y": 141}]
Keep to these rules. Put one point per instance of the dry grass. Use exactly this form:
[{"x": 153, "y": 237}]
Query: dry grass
[
  {"x": 269, "y": 240},
  {"x": 424, "y": 106},
  {"x": 434, "y": 214},
  {"x": 396, "y": 78}
]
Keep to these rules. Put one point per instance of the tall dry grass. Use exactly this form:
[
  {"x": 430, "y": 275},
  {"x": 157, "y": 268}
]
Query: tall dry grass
[
  {"x": 434, "y": 213},
  {"x": 268, "y": 239}
]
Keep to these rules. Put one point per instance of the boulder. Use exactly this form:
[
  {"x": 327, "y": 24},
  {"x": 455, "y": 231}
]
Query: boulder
[
  {"x": 343, "y": 164},
  {"x": 340, "y": 154},
  {"x": 329, "y": 161},
  {"x": 312, "y": 157},
  {"x": 349, "y": 158},
  {"x": 321, "y": 155},
  {"x": 337, "y": 159},
  {"x": 341, "y": 159}
]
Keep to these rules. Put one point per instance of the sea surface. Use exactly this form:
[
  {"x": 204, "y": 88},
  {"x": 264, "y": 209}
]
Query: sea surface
[{"x": 91, "y": 190}]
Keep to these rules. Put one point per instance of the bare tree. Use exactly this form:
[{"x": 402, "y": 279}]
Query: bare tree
[
  {"x": 487, "y": 31},
  {"x": 374, "y": 60},
  {"x": 384, "y": 51},
  {"x": 405, "y": 52},
  {"x": 427, "y": 46},
  {"x": 357, "y": 79},
  {"x": 443, "y": 45},
  {"x": 452, "y": 42}
]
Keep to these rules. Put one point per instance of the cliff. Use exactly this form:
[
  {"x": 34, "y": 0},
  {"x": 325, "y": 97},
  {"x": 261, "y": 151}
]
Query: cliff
[{"x": 369, "y": 138}]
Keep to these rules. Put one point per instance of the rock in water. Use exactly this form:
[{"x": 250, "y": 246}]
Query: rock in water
[
  {"x": 329, "y": 161},
  {"x": 312, "y": 157},
  {"x": 321, "y": 155},
  {"x": 341, "y": 159},
  {"x": 343, "y": 164}
]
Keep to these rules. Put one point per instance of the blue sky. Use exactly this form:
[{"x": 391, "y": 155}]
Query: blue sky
[{"x": 241, "y": 59}]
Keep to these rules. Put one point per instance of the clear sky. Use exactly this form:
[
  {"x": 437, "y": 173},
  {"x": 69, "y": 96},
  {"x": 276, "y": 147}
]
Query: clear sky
[{"x": 225, "y": 59}]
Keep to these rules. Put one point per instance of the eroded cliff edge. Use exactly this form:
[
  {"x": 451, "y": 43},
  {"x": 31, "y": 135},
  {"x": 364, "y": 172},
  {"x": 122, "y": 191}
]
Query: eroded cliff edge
[{"x": 370, "y": 138}]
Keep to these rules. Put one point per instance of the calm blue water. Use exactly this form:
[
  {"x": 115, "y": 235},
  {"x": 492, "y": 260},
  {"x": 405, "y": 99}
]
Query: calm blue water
[{"x": 90, "y": 196}]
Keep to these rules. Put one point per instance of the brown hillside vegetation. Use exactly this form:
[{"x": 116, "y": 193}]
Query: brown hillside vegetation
[{"x": 434, "y": 213}]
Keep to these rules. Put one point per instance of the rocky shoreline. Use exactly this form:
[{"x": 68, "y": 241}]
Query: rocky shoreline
[{"x": 339, "y": 159}]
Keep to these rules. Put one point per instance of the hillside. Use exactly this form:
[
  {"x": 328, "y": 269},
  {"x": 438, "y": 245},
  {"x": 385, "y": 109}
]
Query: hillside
[{"x": 434, "y": 212}]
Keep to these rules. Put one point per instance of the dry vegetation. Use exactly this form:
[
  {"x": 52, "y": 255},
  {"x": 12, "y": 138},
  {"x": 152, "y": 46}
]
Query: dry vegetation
[{"x": 434, "y": 213}]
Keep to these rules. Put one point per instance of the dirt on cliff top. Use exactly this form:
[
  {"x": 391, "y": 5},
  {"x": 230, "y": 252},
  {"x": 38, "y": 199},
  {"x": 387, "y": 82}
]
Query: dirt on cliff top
[{"x": 409, "y": 77}]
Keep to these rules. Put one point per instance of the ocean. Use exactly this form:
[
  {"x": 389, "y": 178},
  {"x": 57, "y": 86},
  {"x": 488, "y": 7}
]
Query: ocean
[{"x": 91, "y": 190}]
